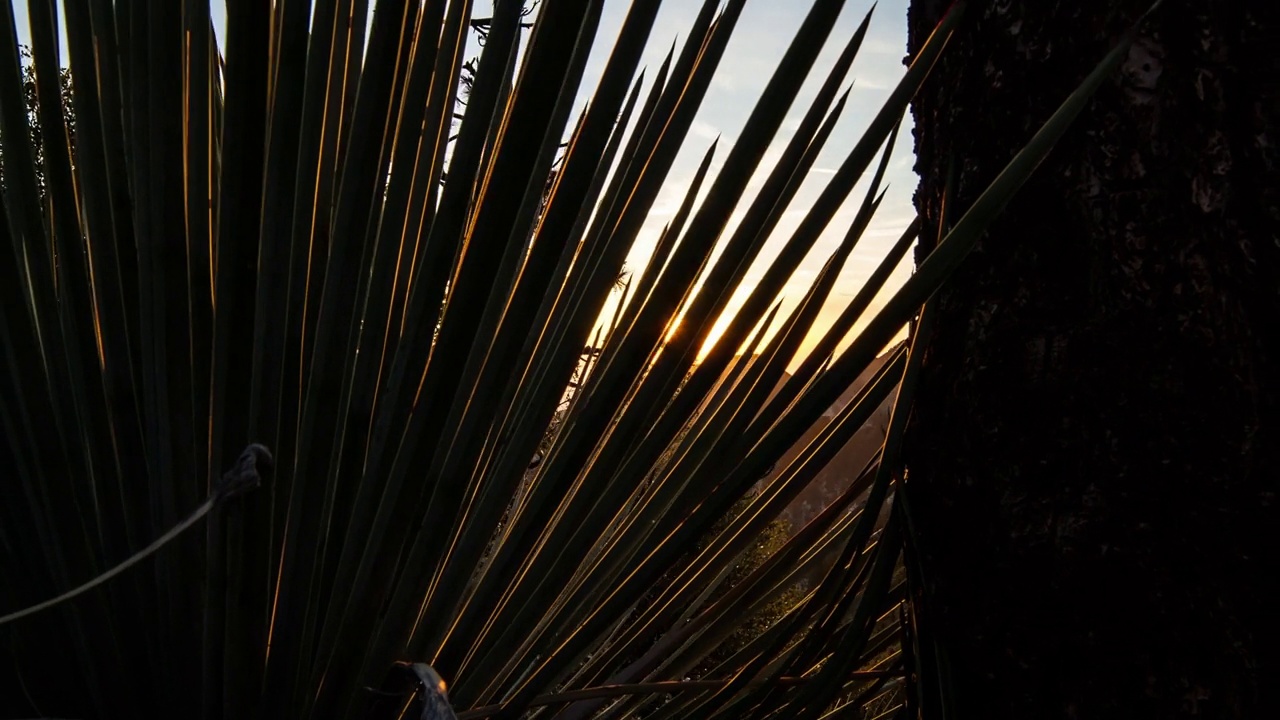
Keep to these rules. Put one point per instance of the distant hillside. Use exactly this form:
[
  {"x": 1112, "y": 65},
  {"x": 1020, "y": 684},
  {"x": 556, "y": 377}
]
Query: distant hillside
[{"x": 835, "y": 478}]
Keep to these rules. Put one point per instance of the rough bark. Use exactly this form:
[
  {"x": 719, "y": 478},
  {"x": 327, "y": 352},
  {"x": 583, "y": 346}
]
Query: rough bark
[{"x": 1093, "y": 457}]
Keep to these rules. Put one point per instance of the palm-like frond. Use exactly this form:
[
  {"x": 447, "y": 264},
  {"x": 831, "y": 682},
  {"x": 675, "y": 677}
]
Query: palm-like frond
[{"x": 292, "y": 246}]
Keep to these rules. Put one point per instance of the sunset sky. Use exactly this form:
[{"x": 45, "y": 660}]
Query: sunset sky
[{"x": 759, "y": 41}]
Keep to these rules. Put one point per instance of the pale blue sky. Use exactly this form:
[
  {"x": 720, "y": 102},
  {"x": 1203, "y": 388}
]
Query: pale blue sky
[{"x": 762, "y": 35}]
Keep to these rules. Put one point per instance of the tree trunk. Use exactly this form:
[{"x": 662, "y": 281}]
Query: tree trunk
[{"x": 1095, "y": 447}]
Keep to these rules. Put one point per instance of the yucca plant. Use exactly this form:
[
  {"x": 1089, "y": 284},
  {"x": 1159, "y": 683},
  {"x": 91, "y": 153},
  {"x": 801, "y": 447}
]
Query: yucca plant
[{"x": 292, "y": 247}]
